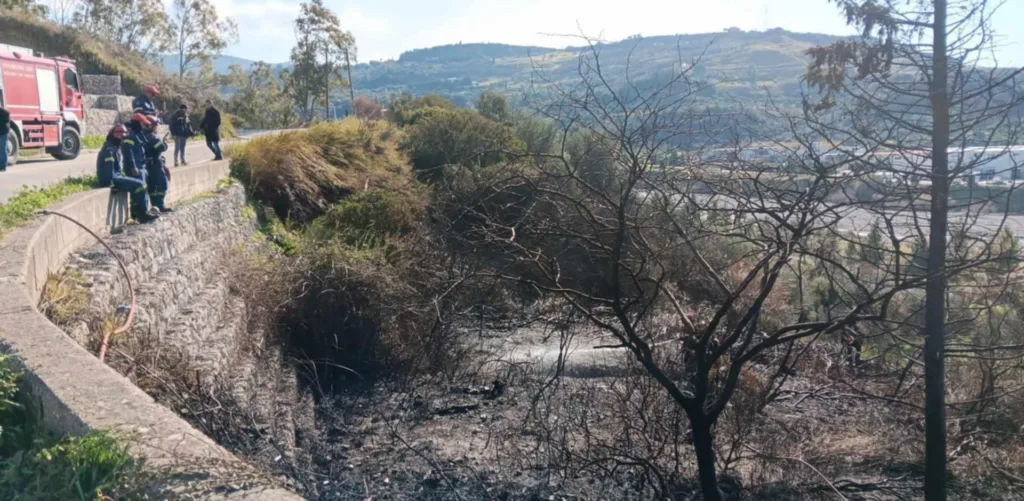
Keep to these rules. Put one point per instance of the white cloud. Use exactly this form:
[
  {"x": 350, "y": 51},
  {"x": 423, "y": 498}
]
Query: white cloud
[
  {"x": 357, "y": 21},
  {"x": 369, "y": 31}
]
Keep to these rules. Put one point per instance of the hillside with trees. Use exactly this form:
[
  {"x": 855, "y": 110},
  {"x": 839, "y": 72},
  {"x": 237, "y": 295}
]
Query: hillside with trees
[
  {"x": 131, "y": 39},
  {"x": 744, "y": 65},
  {"x": 92, "y": 54}
]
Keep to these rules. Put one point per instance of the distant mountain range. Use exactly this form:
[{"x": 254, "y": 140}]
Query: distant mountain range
[
  {"x": 221, "y": 64},
  {"x": 746, "y": 63}
]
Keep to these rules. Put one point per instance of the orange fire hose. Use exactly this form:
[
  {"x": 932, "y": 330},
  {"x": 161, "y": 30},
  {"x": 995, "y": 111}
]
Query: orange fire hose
[{"x": 124, "y": 269}]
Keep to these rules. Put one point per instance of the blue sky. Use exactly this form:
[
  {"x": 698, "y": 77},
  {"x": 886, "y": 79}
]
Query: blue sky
[{"x": 385, "y": 28}]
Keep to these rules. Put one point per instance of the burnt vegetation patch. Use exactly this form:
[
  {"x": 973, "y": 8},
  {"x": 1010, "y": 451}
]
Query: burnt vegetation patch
[
  {"x": 606, "y": 296},
  {"x": 546, "y": 307}
]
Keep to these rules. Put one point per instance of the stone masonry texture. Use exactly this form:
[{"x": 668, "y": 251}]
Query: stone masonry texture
[
  {"x": 177, "y": 266},
  {"x": 102, "y": 85}
]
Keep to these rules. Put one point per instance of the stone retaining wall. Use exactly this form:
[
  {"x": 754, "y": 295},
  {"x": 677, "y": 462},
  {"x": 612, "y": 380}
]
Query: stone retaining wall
[
  {"x": 102, "y": 84},
  {"x": 77, "y": 393},
  {"x": 103, "y": 111},
  {"x": 170, "y": 262}
]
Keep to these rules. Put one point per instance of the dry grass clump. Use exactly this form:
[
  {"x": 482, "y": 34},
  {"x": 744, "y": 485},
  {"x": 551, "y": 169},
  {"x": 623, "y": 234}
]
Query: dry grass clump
[
  {"x": 300, "y": 174},
  {"x": 287, "y": 173},
  {"x": 65, "y": 297}
]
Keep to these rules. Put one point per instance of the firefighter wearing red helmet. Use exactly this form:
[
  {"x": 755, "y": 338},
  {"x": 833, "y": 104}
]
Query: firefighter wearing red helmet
[
  {"x": 110, "y": 172},
  {"x": 144, "y": 103}
]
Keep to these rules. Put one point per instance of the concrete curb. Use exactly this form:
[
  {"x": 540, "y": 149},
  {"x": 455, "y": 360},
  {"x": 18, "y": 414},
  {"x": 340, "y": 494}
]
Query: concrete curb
[{"x": 76, "y": 392}]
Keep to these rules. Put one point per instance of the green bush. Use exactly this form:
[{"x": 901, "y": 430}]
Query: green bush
[
  {"x": 227, "y": 126},
  {"x": 458, "y": 137},
  {"x": 227, "y": 122},
  {"x": 495, "y": 107},
  {"x": 538, "y": 135},
  {"x": 93, "y": 142},
  {"x": 406, "y": 110},
  {"x": 371, "y": 219},
  {"x": 34, "y": 466}
]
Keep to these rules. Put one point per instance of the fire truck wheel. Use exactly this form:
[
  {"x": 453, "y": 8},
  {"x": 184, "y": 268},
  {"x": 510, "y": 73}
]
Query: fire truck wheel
[
  {"x": 12, "y": 149},
  {"x": 70, "y": 145}
]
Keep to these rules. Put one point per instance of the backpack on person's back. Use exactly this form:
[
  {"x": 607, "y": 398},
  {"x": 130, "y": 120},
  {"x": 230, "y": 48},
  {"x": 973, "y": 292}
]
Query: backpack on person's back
[{"x": 181, "y": 126}]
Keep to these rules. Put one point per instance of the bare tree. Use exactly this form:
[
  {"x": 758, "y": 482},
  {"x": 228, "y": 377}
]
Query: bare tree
[
  {"x": 928, "y": 82},
  {"x": 690, "y": 268},
  {"x": 62, "y": 12}
]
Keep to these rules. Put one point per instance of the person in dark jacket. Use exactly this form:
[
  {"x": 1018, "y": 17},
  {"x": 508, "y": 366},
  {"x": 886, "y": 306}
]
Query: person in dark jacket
[
  {"x": 181, "y": 130},
  {"x": 211, "y": 127},
  {"x": 110, "y": 172},
  {"x": 5, "y": 129},
  {"x": 157, "y": 174},
  {"x": 133, "y": 149},
  {"x": 144, "y": 103}
]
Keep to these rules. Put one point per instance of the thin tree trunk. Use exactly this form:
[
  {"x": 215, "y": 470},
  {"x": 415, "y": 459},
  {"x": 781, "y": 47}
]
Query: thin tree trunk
[
  {"x": 800, "y": 280},
  {"x": 327, "y": 85},
  {"x": 351, "y": 85},
  {"x": 703, "y": 446},
  {"x": 935, "y": 290}
]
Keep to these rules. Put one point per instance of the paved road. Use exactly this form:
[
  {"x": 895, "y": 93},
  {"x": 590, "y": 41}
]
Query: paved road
[
  {"x": 859, "y": 220},
  {"x": 44, "y": 170}
]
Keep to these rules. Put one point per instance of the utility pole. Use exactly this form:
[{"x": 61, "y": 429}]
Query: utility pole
[
  {"x": 327, "y": 81},
  {"x": 351, "y": 85},
  {"x": 935, "y": 288}
]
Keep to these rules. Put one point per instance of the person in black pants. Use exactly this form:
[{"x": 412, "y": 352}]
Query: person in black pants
[
  {"x": 181, "y": 130},
  {"x": 5, "y": 129},
  {"x": 211, "y": 127}
]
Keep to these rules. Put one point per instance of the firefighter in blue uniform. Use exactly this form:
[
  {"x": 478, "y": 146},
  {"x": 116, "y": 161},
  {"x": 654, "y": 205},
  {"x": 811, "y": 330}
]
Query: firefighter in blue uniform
[
  {"x": 133, "y": 148},
  {"x": 109, "y": 172},
  {"x": 144, "y": 103},
  {"x": 157, "y": 174}
]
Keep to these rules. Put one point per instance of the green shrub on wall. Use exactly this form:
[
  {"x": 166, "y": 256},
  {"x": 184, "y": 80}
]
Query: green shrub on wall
[{"x": 36, "y": 467}]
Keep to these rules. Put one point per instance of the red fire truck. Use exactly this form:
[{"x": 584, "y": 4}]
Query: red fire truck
[{"x": 44, "y": 98}]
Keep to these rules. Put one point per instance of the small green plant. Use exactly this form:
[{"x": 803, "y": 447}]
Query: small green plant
[
  {"x": 277, "y": 233},
  {"x": 93, "y": 142},
  {"x": 24, "y": 205},
  {"x": 8, "y": 399},
  {"x": 34, "y": 466},
  {"x": 226, "y": 182}
]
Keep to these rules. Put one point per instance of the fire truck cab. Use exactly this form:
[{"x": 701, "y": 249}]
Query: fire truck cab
[{"x": 44, "y": 98}]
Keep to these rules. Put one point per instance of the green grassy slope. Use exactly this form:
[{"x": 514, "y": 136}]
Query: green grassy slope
[{"x": 92, "y": 56}]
